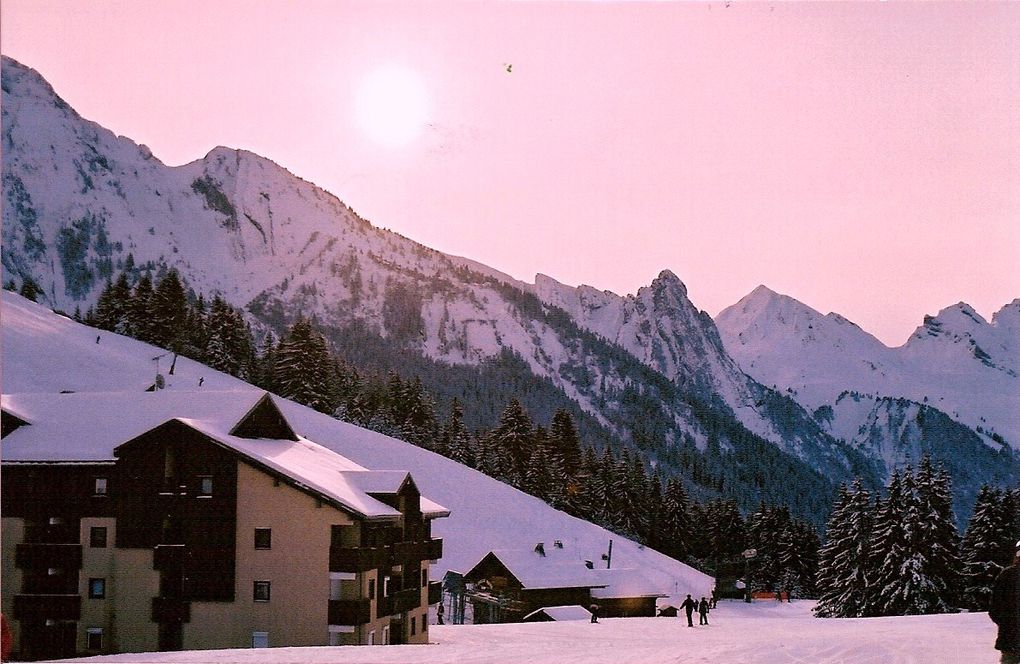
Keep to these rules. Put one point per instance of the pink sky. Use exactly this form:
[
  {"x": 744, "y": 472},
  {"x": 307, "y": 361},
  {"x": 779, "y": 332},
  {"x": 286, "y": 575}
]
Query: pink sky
[{"x": 863, "y": 158}]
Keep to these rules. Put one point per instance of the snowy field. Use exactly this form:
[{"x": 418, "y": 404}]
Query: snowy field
[{"x": 761, "y": 633}]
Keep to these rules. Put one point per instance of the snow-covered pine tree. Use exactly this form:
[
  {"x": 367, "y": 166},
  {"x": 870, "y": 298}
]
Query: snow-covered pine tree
[
  {"x": 654, "y": 508},
  {"x": 456, "y": 435},
  {"x": 829, "y": 577},
  {"x": 798, "y": 558},
  {"x": 675, "y": 521},
  {"x": 987, "y": 546},
  {"x": 843, "y": 576},
  {"x": 169, "y": 312},
  {"x": 890, "y": 547},
  {"x": 304, "y": 369},
  {"x": 514, "y": 435},
  {"x": 565, "y": 442},
  {"x": 138, "y": 318},
  {"x": 940, "y": 539}
]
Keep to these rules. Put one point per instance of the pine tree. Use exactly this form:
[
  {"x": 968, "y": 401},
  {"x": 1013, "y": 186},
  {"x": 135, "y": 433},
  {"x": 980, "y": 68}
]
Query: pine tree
[
  {"x": 987, "y": 546},
  {"x": 112, "y": 306},
  {"x": 456, "y": 437},
  {"x": 842, "y": 561},
  {"x": 304, "y": 369},
  {"x": 169, "y": 313},
  {"x": 565, "y": 442},
  {"x": 890, "y": 546},
  {"x": 513, "y": 435},
  {"x": 138, "y": 320},
  {"x": 676, "y": 520}
]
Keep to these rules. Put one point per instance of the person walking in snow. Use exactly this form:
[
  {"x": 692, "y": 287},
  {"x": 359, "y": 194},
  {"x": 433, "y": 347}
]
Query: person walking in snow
[
  {"x": 440, "y": 612},
  {"x": 714, "y": 600},
  {"x": 1005, "y": 611},
  {"x": 688, "y": 606},
  {"x": 594, "y": 608},
  {"x": 703, "y": 611}
]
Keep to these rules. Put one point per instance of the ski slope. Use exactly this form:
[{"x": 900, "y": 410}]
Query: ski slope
[
  {"x": 45, "y": 352},
  {"x": 760, "y": 633}
]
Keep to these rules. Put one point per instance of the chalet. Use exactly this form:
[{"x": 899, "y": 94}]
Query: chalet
[
  {"x": 510, "y": 585},
  {"x": 175, "y": 520}
]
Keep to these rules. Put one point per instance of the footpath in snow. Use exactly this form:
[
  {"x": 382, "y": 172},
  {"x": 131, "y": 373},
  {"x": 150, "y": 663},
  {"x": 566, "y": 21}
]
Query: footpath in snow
[{"x": 760, "y": 633}]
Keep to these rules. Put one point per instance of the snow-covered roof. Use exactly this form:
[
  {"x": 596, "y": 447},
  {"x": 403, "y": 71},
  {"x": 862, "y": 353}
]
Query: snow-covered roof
[
  {"x": 86, "y": 427},
  {"x": 625, "y": 583},
  {"x": 560, "y": 613},
  {"x": 555, "y": 569}
]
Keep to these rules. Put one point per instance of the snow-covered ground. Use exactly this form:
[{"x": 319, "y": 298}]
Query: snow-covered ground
[{"x": 760, "y": 633}]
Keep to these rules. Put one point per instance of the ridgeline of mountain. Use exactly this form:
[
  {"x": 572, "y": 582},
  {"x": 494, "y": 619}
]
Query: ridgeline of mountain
[{"x": 648, "y": 371}]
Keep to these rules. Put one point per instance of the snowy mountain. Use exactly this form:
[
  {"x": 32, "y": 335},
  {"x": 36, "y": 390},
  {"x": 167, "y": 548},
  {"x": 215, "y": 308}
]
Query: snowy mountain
[
  {"x": 956, "y": 362},
  {"x": 83, "y": 205},
  {"x": 46, "y": 352},
  {"x": 649, "y": 370}
]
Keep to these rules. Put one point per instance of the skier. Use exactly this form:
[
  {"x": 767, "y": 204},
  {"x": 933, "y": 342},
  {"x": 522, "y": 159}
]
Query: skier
[
  {"x": 703, "y": 611},
  {"x": 714, "y": 600},
  {"x": 688, "y": 606},
  {"x": 1005, "y": 611},
  {"x": 594, "y": 608}
]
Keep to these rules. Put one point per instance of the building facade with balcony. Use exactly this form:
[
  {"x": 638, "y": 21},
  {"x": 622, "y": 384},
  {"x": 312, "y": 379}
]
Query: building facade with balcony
[{"x": 175, "y": 520}]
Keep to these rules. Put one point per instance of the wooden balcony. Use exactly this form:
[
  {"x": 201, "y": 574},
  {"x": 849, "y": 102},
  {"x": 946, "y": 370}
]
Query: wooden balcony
[
  {"x": 406, "y": 600},
  {"x": 435, "y": 549},
  {"x": 39, "y": 608},
  {"x": 350, "y": 611},
  {"x": 168, "y": 557},
  {"x": 45, "y": 556},
  {"x": 170, "y": 610},
  {"x": 359, "y": 559},
  {"x": 435, "y": 592}
]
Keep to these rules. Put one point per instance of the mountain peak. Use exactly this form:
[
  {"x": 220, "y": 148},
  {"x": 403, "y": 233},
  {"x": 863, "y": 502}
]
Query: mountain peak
[{"x": 667, "y": 278}]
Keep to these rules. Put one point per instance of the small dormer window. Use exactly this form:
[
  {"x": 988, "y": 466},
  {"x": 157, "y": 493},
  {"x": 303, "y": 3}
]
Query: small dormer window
[
  {"x": 205, "y": 485},
  {"x": 100, "y": 487}
]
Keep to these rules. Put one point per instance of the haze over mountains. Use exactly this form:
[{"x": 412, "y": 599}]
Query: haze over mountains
[{"x": 649, "y": 371}]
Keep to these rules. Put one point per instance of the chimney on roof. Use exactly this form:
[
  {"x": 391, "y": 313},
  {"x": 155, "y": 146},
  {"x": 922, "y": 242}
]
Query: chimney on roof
[
  {"x": 540, "y": 549},
  {"x": 557, "y": 544}
]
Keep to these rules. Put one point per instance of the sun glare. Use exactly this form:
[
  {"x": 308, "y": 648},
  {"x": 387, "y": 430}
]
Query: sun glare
[{"x": 391, "y": 105}]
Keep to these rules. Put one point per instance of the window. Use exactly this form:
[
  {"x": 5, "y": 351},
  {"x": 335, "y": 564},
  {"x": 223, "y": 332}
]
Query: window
[
  {"x": 94, "y": 638},
  {"x": 371, "y": 638},
  {"x": 263, "y": 538},
  {"x": 97, "y": 537},
  {"x": 260, "y": 639},
  {"x": 100, "y": 487},
  {"x": 414, "y": 625},
  {"x": 371, "y": 589},
  {"x": 424, "y": 579},
  {"x": 261, "y": 591},
  {"x": 97, "y": 588},
  {"x": 386, "y": 586},
  {"x": 386, "y": 635},
  {"x": 205, "y": 485}
]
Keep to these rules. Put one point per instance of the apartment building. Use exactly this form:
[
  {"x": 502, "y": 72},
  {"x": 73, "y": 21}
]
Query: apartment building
[{"x": 192, "y": 520}]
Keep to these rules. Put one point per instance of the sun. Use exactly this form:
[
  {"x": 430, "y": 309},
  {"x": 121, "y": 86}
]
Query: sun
[{"x": 391, "y": 105}]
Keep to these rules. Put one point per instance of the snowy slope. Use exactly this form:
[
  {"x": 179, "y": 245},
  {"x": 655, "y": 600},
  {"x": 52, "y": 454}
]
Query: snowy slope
[
  {"x": 956, "y": 361},
  {"x": 80, "y": 201},
  {"x": 760, "y": 633},
  {"x": 45, "y": 352}
]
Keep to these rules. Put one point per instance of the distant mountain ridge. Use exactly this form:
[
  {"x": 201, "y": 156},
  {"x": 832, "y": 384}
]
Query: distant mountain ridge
[
  {"x": 647, "y": 370},
  {"x": 955, "y": 361}
]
